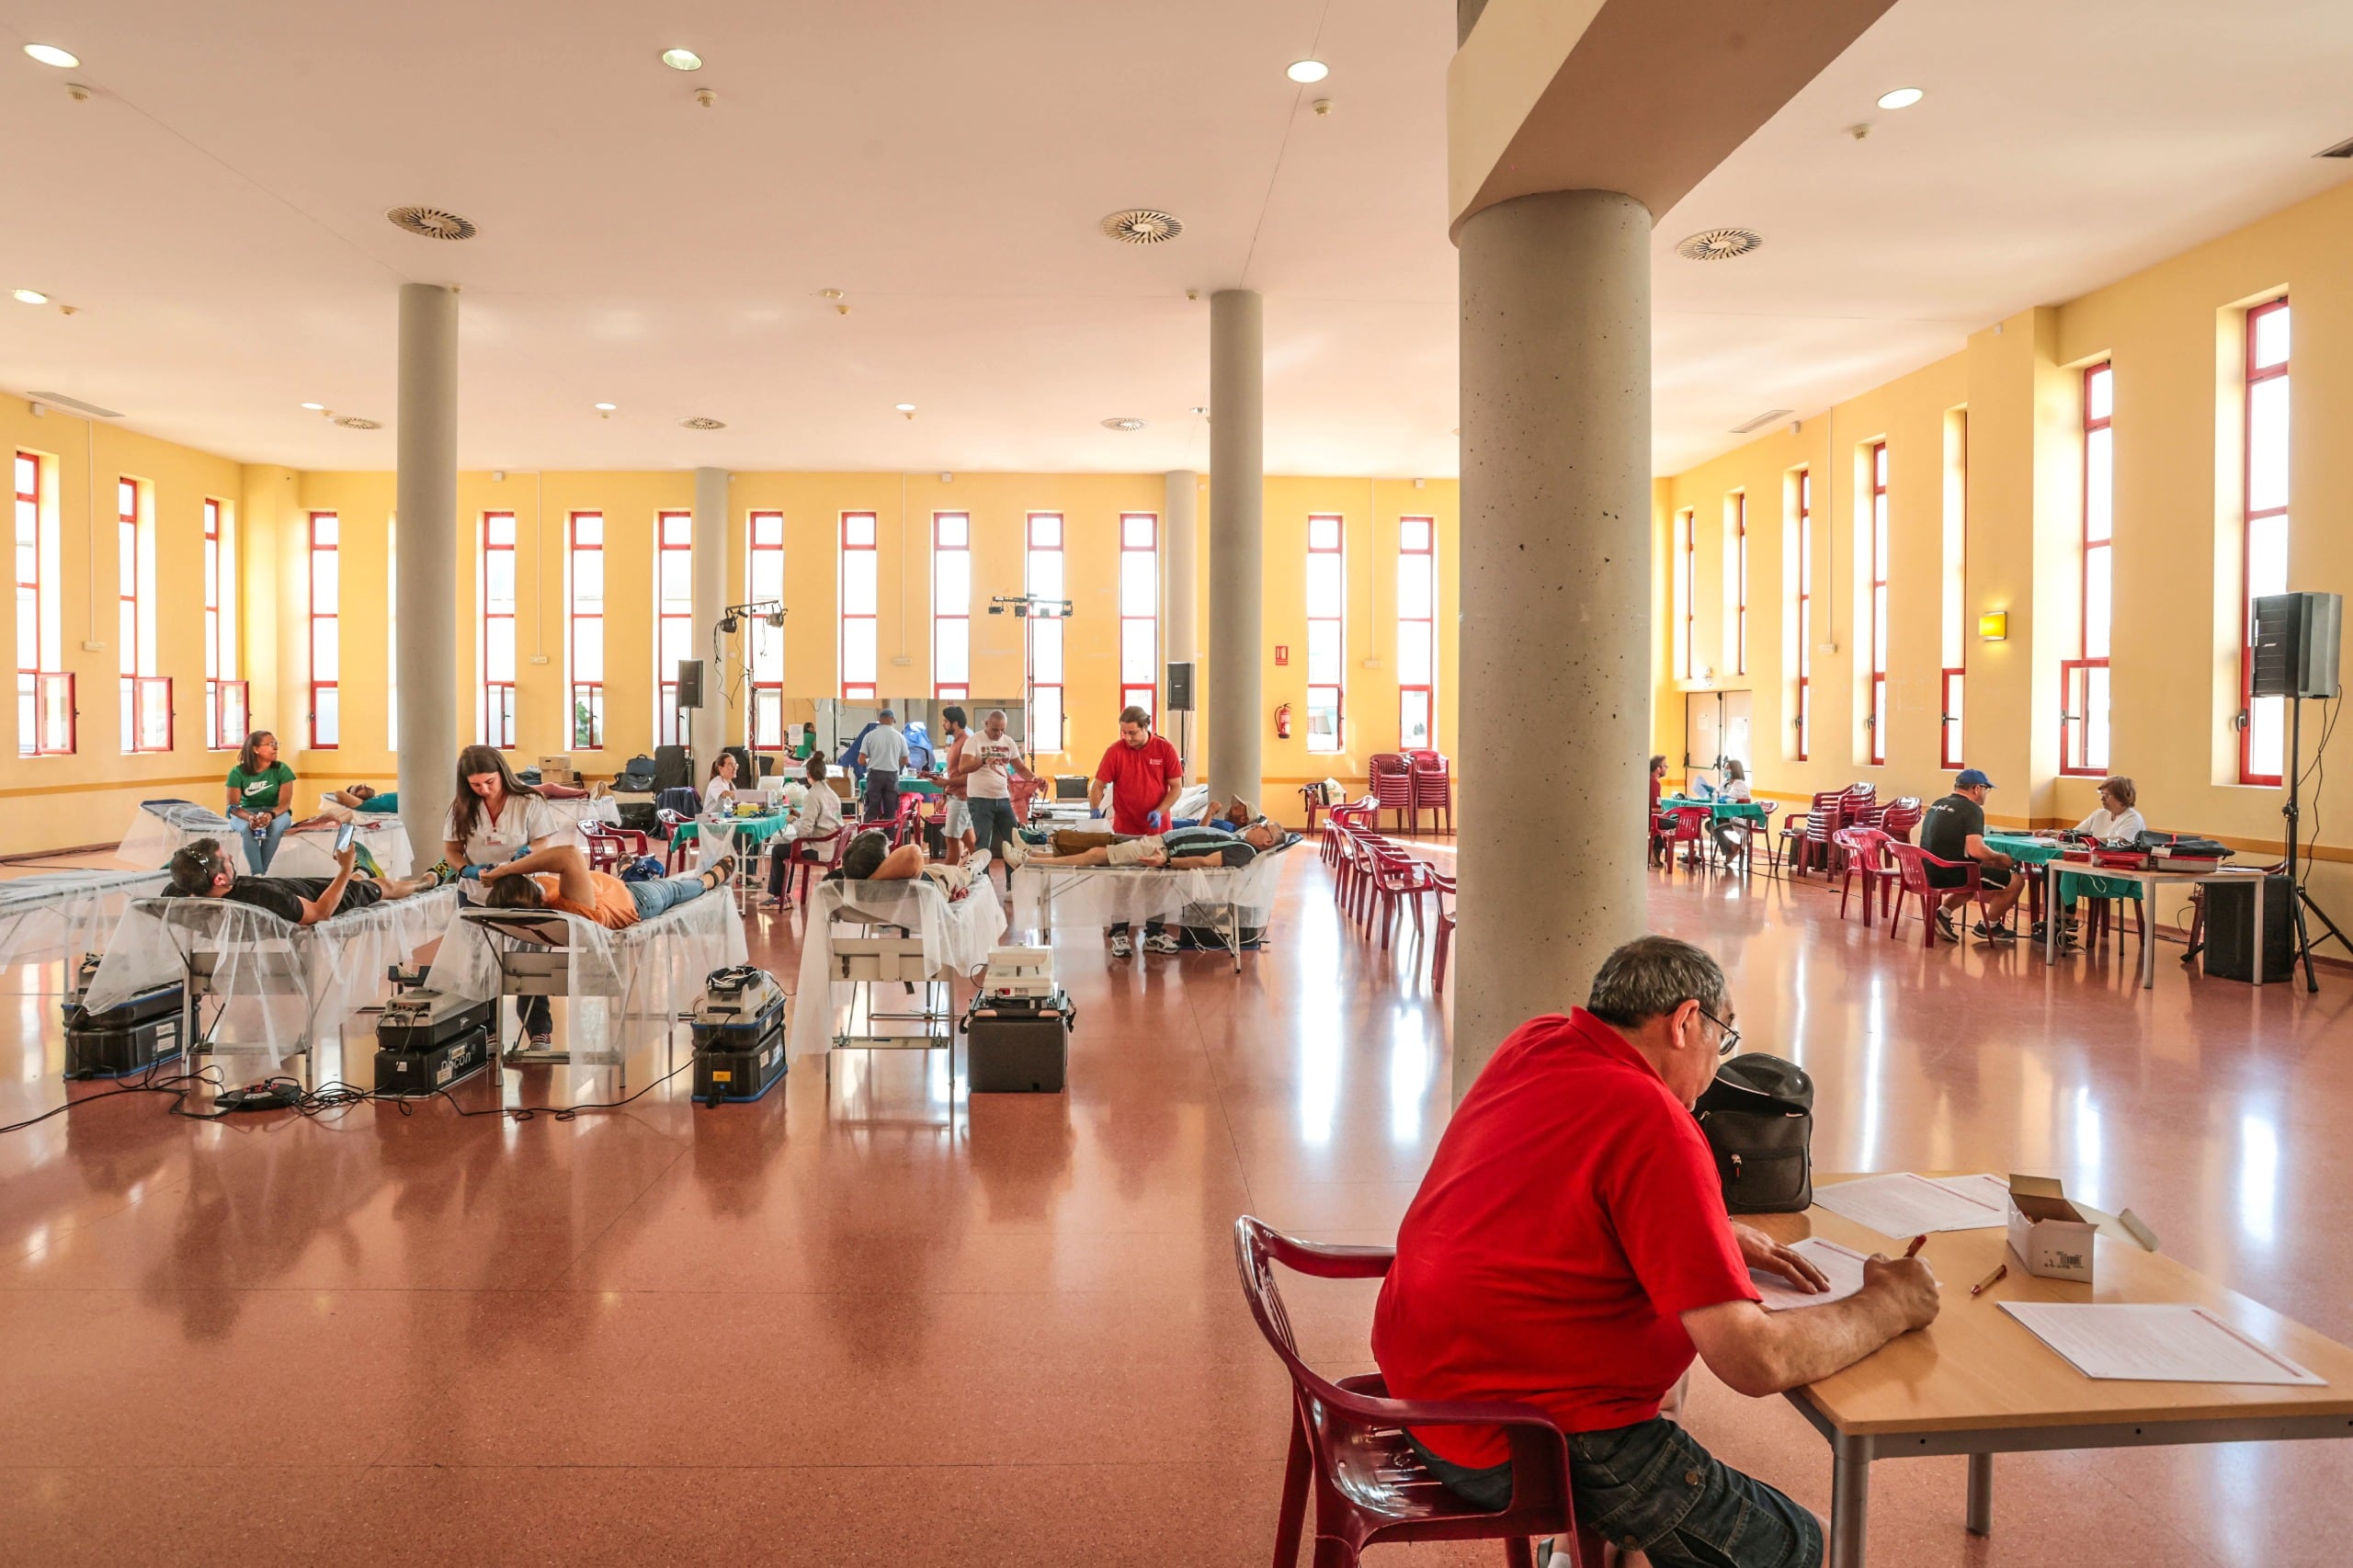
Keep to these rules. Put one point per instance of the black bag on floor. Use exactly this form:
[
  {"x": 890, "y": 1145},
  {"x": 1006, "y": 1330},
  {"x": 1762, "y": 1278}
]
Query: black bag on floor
[{"x": 1758, "y": 1116}]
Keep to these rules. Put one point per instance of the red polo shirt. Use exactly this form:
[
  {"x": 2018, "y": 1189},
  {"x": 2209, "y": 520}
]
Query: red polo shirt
[
  {"x": 1139, "y": 777},
  {"x": 1571, "y": 1213}
]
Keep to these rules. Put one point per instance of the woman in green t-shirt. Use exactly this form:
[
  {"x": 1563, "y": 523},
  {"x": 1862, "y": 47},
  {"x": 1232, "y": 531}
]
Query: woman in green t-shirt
[{"x": 261, "y": 795}]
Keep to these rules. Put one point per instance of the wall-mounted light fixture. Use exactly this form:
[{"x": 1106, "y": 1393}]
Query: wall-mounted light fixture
[{"x": 1994, "y": 626}]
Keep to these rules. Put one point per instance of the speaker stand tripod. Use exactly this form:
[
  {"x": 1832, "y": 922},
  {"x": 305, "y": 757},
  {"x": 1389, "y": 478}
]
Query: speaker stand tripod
[{"x": 2300, "y": 898}]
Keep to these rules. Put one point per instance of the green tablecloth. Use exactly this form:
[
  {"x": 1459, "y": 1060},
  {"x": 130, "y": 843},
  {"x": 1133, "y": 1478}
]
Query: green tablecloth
[
  {"x": 750, "y": 832},
  {"x": 1749, "y": 810},
  {"x": 2072, "y": 885}
]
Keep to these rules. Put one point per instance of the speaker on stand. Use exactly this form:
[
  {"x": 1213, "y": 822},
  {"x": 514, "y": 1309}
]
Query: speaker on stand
[{"x": 2295, "y": 656}]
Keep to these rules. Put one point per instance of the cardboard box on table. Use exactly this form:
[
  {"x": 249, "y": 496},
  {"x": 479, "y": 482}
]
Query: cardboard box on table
[{"x": 2051, "y": 1236}]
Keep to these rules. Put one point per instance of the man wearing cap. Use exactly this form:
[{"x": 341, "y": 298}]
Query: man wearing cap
[
  {"x": 1954, "y": 829},
  {"x": 882, "y": 750}
]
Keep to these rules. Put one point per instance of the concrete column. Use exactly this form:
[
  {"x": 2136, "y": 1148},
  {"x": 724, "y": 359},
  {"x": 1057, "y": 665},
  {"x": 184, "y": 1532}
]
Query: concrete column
[
  {"x": 1556, "y": 586},
  {"x": 1180, "y": 509},
  {"x": 426, "y": 537},
  {"x": 707, "y": 726},
  {"x": 1237, "y": 494}
]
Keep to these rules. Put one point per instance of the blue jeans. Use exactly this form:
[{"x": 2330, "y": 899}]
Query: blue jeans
[
  {"x": 992, "y": 824},
  {"x": 261, "y": 849},
  {"x": 664, "y": 892},
  {"x": 1650, "y": 1486}
]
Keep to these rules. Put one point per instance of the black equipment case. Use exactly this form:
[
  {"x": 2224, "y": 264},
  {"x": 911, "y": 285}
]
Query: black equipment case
[
  {"x": 129, "y": 1039},
  {"x": 426, "y": 1041},
  {"x": 738, "y": 1026},
  {"x": 1018, "y": 1045}
]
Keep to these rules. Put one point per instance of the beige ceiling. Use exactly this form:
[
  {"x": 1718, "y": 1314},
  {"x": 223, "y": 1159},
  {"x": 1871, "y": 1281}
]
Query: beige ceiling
[{"x": 215, "y": 213}]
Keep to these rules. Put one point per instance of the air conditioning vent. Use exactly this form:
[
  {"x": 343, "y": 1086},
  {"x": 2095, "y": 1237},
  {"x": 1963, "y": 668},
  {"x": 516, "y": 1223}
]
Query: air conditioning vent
[
  {"x": 354, "y": 422},
  {"x": 1123, "y": 423},
  {"x": 703, "y": 422},
  {"x": 59, "y": 400},
  {"x": 1768, "y": 417},
  {"x": 1142, "y": 226},
  {"x": 1719, "y": 244},
  {"x": 432, "y": 223}
]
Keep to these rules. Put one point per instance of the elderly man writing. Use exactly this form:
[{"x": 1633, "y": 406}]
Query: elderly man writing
[{"x": 1569, "y": 1248}]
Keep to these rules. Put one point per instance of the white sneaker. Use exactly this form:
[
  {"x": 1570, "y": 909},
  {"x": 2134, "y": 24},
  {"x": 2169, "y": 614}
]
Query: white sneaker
[
  {"x": 977, "y": 862},
  {"x": 1161, "y": 942},
  {"x": 1016, "y": 852},
  {"x": 1121, "y": 948}
]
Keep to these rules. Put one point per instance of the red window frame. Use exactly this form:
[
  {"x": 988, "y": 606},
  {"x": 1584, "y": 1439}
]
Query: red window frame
[
  {"x": 495, "y": 706},
  {"x": 951, "y": 534},
  {"x": 864, "y": 625},
  {"x": 2250, "y": 515},
  {"x": 2079, "y": 688},
  {"x": 42, "y": 694},
  {"x": 325, "y": 628},
  {"x": 1417, "y": 537},
  {"x": 1334, "y": 693},
  {"x": 586, "y": 727},
  {"x": 1878, "y": 723},
  {"x": 1047, "y": 536},
  {"x": 225, "y": 697},
  {"x": 1740, "y": 581},
  {"x": 674, "y": 621},
  {"x": 1683, "y": 612},
  {"x": 1144, "y": 694},
  {"x": 1952, "y": 680},
  {"x": 764, "y": 576},
  {"x": 145, "y": 697},
  {"x": 1803, "y": 612}
]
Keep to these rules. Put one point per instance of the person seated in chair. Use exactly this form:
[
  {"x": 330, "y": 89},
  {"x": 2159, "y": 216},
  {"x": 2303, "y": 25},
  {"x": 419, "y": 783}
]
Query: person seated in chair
[
  {"x": 559, "y": 878},
  {"x": 199, "y": 870},
  {"x": 1954, "y": 829},
  {"x": 1179, "y": 849}
]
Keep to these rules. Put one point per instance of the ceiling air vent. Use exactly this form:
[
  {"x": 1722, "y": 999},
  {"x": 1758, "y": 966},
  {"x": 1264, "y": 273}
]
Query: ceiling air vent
[
  {"x": 702, "y": 422},
  {"x": 1142, "y": 226},
  {"x": 432, "y": 223},
  {"x": 1768, "y": 417},
  {"x": 59, "y": 400},
  {"x": 1718, "y": 245},
  {"x": 2342, "y": 150},
  {"x": 354, "y": 422},
  {"x": 1123, "y": 423}
]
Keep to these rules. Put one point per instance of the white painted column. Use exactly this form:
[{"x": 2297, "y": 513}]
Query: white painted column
[
  {"x": 1179, "y": 510},
  {"x": 1237, "y": 496},
  {"x": 706, "y": 726},
  {"x": 1556, "y": 589},
  {"x": 426, "y": 532}
]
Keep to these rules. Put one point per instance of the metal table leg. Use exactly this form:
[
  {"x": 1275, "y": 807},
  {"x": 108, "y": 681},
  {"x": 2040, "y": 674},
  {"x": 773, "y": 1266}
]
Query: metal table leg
[
  {"x": 1850, "y": 1486},
  {"x": 1981, "y": 1494}
]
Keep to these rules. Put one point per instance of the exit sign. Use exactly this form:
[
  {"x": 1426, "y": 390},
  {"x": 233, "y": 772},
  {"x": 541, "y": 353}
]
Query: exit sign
[{"x": 1283, "y": 653}]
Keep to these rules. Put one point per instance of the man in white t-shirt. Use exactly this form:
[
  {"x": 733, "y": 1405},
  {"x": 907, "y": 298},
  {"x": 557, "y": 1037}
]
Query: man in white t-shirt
[
  {"x": 987, "y": 764},
  {"x": 882, "y": 753}
]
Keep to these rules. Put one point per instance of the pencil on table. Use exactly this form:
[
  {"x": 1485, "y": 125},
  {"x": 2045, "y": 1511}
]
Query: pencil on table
[{"x": 1991, "y": 1279}]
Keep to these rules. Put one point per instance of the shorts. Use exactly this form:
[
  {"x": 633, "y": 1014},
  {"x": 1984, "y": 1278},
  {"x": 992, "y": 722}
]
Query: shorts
[
  {"x": 1956, "y": 875},
  {"x": 1131, "y": 851},
  {"x": 959, "y": 821}
]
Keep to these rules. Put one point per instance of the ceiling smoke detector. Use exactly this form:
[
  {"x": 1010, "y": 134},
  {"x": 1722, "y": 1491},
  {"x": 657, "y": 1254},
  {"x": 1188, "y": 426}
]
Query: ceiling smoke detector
[
  {"x": 1142, "y": 226},
  {"x": 432, "y": 223},
  {"x": 353, "y": 422},
  {"x": 702, "y": 422},
  {"x": 1123, "y": 423},
  {"x": 1719, "y": 244}
]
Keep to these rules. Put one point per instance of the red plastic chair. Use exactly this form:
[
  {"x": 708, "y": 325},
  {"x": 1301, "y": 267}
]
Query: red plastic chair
[
  {"x": 1688, "y": 826},
  {"x": 1392, "y": 788},
  {"x": 1433, "y": 777},
  {"x": 812, "y": 858},
  {"x": 1912, "y": 864},
  {"x": 1827, "y": 815},
  {"x": 609, "y": 847},
  {"x": 1866, "y": 856},
  {"x": 673, "y": 853},
  {"x": 1760, "y": 831},
  {"x": 1397, "y": 877},
  {"x": 1902, "y": 814},
  {"x": 1348, "y": 1440},
  {"x": 1442, "y": 889}
]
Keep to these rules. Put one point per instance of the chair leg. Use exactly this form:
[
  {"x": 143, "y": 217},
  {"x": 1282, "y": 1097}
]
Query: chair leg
[
  {"x": 1294, "y": 1509},
  {"x": 1518, "y": 1553}
]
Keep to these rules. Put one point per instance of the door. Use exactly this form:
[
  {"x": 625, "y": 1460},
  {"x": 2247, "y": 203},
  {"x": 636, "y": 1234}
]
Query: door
[
  {"x": 1736, "y": 732},
  {"x": 1703, "y": 713}
]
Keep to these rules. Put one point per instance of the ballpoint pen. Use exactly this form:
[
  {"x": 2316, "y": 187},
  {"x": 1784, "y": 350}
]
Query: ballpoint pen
[{"x": 1917, "y": 1243}]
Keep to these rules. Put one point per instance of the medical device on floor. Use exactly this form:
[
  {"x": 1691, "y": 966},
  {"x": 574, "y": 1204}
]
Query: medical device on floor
[
  {"x": 738, "y": 1025},
  {"x": 129, "y": 1038},
  {"x": 1018, "y": 971},
  {"x": 427, "y": 1042}
]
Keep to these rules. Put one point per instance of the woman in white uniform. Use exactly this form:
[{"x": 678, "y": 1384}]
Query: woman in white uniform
[
  {"x": 495, "y": 817},
  {"x": 2119, "y": 817},
  {"x": 719, "y": 789}
]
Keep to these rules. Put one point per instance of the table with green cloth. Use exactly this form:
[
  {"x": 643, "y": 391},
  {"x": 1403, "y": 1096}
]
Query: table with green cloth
[
  {"x": 746, "y": 834},
  {"x": 2027, "y": 850},
  {"x": 1749, "y": 810}
]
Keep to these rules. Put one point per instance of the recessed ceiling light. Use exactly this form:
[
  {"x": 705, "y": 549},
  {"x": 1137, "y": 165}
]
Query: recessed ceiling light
[
  {"x": 1902, "y": 97},
  {"x": 607, "y": 407},
  {"x": 316, "y": 407},
  {"x": 31, "y": 297},
  {"x": 904, "y": 408},
  {"x": 1201, "y": 410},
  {"x": 1305, "y": 71},
  {"x": 49, "y": 54},
  {"x": 682, "y": 60}
]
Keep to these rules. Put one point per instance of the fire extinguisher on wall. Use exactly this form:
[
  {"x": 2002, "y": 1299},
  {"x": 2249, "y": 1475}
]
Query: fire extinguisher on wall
[{"x": 1282, "y": 721}]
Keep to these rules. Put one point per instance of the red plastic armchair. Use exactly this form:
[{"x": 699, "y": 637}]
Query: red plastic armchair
[
  {"x": 673, "y": 853},
  {"x": 608, "y": 846},
  {"x": 1866, "y": 850},
  {"x": 1688, "y": 825},
  {"x": 1433, "y": 777},
  {"x": 1348, "y": 1439},
  {"x": 1827, "y": 815},
  {"x": 1912, "y": 864},
  {"x": 1442, "y": 888},
  {"x": 1399, "y": 876},
  {"x": 1393, "y": 786},
  {"x": 1902, "y": 816},
  {"x": 812, "y": 858}
]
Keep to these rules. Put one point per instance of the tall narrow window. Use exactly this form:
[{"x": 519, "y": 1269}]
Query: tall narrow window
[
  {"x": 765, "y": 581},
  {"x": 1140, "y": 611},
  {"x": 1953, "y": 674},
  {"x": 861, "y": 598},
  {"x": 44, "y": 692},
  {"x": 585, "y": 589},
  {"x": 224, "y": 694},
  {"x": 673, "y": 619},
  {"x": 1416, "y": 634},
  {"x": 2262, "y": 733},
  {"x": 1327, "y": 632},
  {"x": 1740, "y": 583},
  {"x": 1044, "y": 581},
  {"x": 1680, "y": 611},
  {"x": 326, "y": 632},
  {"x": 146, "y": 705},
  {"x": 494, "y": 716},
  {"x": 1805, "y": 612},
  {"x": 951, "y": 606},
  {"x": 1879, "y": 604},
  {"x": 2084, "y": 680}
]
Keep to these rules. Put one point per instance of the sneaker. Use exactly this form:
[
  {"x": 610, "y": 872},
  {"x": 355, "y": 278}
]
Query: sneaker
[
  {"x": 1985, "y": 933},
  {"x": 1945, "y": 926},
  {"x": 1016, "y": 852},
  {"x": 1161, "y": 942},
  {"x": 977, "y": 862},
  {"x": 1121, "y": 948}
]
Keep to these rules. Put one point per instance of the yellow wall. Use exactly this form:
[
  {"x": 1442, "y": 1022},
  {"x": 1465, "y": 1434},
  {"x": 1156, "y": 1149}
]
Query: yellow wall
[
  {"x": 88, "y": 798},
  {"x": 2171, "y": 335}
]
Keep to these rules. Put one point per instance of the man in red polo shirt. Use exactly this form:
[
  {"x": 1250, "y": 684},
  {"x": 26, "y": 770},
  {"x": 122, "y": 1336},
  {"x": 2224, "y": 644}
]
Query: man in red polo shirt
[
  {"x": 1569, "y": 1249},
  {"x": 1145, "y": 774}
]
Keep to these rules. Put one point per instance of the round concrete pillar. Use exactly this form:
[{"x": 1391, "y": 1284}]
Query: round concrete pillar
[
  {"x": 426, "y": 525},
  {"x": 1180, "y": 512},
  {"x": 707, "y": 726},
  {"x": 1237, "y": 498},
  {"x": 1556, "y": 588}
]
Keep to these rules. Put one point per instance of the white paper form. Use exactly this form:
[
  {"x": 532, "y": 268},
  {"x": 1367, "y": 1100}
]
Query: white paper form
[
  {"x": 1904, "y": 1205},
  {"x": 1842, "y": 1266},
  {"x": 2154, "y": 1344}
]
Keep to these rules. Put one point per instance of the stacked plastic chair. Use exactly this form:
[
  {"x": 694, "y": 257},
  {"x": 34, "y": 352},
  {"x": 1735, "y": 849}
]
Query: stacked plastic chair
[
  {"x": 1393, "y": 786},
  {"x": 1433, "y": 777}
]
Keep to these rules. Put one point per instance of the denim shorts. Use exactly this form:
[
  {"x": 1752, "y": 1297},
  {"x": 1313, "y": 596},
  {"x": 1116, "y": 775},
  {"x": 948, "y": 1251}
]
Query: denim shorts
[{"x": 1651, "y": 1487}]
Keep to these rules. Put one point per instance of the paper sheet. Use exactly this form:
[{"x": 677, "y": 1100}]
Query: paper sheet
[
  {"x": 1842, "y": 1266},
  {"x": 2160, "y": 1344},
  {"x": 1904, "y": 1205}
]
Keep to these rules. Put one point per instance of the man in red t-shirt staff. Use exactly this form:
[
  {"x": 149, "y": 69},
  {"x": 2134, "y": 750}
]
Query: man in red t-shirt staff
[
  {"x": 1569, "y": 1249},
  {"x": 1145, "y": 774}
]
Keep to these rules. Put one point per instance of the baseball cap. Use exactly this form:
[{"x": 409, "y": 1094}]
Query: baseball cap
[{"x": 1970, "y": 779}]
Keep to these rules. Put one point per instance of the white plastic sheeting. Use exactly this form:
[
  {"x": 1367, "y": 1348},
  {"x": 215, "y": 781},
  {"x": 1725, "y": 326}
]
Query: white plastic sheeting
[
  {"x": 957, "y": 936},
  {"x": 311, "y": 853},
  {"x": 644, "y": 976},
  {"x": 277, "y": 986},
  {"x": 586, "y": 809},
  {"x": 54, "y": 916},
  {"x": 160, "y": 827},
  {"x": 1106, "y": 895}
]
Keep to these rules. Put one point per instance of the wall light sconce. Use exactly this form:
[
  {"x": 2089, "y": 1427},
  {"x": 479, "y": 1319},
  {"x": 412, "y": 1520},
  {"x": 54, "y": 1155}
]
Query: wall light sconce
[{"x": 1994, "y": 626}]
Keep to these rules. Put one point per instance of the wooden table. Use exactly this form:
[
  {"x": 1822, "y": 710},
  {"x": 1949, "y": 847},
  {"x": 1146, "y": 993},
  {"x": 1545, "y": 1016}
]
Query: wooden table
[{"x": 1977, "y": 1382}]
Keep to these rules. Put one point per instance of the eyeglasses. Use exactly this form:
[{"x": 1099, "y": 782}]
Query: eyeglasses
[{"x": 1730, "y": 1042}]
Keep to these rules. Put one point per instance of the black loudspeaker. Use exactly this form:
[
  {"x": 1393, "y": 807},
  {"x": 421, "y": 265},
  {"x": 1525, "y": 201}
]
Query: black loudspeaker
[
  {"x": 689, "y": 683},
  {"x": 1180, "y": 688},
  {"x": 2230, "y": 930},
  {"x": 2296, "y": 645}
]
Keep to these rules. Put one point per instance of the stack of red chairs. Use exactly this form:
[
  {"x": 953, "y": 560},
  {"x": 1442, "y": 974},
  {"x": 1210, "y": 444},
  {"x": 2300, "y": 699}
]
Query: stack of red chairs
[
  {"x": 1902, "y": 816},
  {"x": 1433, "y": 777},
  {"x": 1826, "y": 816},
  {"x": 1393, "y": 786}
]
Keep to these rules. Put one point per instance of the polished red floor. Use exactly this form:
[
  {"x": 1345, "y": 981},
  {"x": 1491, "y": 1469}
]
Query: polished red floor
[{"x": 877, "y": 1323}]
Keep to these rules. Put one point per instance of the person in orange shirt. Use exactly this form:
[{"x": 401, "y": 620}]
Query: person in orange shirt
[{"x": 558, "y": 877}]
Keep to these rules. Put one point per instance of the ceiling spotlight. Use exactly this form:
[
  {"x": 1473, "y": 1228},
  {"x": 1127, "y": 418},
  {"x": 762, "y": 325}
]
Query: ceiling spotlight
[
  {"x": 682, "y": 60},
  {"x": 904, "y": 408},
  {"x": 31, "y": 297},
  {"x": 1123, "y": 423},
  {"x": 1200, "y": 410},
  {"x": 49, "y": 54},
  {"x": 316, "y": 407},
  {"x": 607, "y": 407},
  {"x": 1306, "y": 71},
  {"x": 1902, "y": 97}
]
